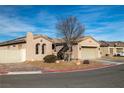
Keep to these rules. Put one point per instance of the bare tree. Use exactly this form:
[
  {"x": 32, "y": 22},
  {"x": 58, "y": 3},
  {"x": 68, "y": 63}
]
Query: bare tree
[{"x": 70, "y": 29}]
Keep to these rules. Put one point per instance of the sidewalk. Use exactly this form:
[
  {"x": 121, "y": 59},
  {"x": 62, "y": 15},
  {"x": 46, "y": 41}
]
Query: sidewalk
[
  {"x": 107, "y": 61},
  {"x": 18, "y": 68}
]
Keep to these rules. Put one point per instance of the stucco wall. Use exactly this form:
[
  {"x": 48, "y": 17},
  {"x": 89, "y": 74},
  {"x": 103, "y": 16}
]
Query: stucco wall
[
  {"x": 12, "y": 56},
  {"x": 31, "y": 48},
  {"x": 47, "y": 51},
  {"x": 75, "y": 52},
  {"x": 104, "y": 51},
  {"x": 89, "y": 42}
]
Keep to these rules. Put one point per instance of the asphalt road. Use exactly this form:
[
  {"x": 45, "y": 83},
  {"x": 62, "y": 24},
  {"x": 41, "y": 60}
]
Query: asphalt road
[{"x": 103, "y": 78}]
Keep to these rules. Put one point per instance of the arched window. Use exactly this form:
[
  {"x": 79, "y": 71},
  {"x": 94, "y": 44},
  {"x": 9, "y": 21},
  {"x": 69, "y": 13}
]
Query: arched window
[
  {"x": 37, "y": 48},
  {"x": 43, "y": 48}
]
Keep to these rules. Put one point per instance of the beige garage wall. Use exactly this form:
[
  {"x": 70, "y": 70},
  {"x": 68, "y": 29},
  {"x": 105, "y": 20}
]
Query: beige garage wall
[
  {"x": 12, "y": 56},
  {"x": 90, "y": 53}
]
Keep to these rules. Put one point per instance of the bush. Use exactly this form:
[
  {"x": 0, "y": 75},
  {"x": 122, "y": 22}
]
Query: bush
[
  {"x": 107, "y": 54},
  {"x": 50, "y": 59},
  {"x": 86, "y": 62}
]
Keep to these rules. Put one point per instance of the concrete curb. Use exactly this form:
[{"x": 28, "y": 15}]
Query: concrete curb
[
  {"x": 22, "y": 72},
  {"x": 66, "y": 71}
]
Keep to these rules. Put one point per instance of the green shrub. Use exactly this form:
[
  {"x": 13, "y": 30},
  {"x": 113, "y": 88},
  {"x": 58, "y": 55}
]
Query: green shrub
[{"x": 50, "y": 59}]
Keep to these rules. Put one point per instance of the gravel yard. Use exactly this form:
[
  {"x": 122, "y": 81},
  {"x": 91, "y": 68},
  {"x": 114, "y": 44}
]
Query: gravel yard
[
  {"x": 66, "y": 65},
  {"x": 38, "y": 65},
  {"x": 18, "y": 67}
]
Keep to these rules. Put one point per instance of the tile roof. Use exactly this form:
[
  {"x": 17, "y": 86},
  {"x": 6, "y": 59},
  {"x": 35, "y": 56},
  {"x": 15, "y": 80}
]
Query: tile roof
[
  {"x": 22, "y": 40},
  {"x": 14, "y": 41},
  {"x": 111, "y": 44},
  {"x": 56, "y": 40}
]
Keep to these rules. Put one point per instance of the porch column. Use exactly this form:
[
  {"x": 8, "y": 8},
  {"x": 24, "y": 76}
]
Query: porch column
[{"x": 114, "y": 50}]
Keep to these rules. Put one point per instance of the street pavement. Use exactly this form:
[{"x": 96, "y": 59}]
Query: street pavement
[{"x": 112, "y": 77}]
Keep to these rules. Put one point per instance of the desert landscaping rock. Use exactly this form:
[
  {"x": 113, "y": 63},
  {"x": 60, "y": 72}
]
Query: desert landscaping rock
[{"x": 14, "y": 67}]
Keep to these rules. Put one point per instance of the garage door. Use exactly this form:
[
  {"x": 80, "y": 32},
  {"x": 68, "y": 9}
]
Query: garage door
[
  {"x": 12, "y": 56},
  {"x": 89, "y": 53}
]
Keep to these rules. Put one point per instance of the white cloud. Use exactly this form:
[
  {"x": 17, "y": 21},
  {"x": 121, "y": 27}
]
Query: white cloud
[
  {"x": 12, "y": 26},
  {"x": 108, "y": 31}
]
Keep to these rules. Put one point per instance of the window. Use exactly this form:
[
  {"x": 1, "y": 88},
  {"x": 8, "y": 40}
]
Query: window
[
  {"x": 43, "y": 48},
  {"x": 119, "y": 50},
  {"x": 53, "y": 46},
  {"x": 37, "y": 48}
]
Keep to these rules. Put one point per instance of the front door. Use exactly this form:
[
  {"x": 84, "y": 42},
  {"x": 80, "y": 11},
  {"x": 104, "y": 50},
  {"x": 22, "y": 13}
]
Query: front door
[{"x": 111, "y": 51}]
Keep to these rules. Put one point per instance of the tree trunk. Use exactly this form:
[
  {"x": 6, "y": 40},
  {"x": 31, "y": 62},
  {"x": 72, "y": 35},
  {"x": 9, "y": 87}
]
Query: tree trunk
[
  {"x": 69, "y": 57},
  {"x": 69, "y": 52}
]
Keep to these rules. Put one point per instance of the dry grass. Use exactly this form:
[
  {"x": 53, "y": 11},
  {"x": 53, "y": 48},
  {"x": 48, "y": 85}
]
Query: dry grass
[
  {"x": 38, "y": 65},
  {"x": 65, "y": 65}
]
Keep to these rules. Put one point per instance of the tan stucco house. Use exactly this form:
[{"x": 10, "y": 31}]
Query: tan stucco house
[
  {"x": 111, "y": 48},
  {"x": 36, "y": 47}
]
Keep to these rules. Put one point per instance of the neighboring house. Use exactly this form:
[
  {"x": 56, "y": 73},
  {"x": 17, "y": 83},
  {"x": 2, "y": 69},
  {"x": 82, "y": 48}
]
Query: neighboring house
[
  {"x": 36, "y": 47},
  {"x": 84, "y": 48},
  {"x": 111, "y": 48}
]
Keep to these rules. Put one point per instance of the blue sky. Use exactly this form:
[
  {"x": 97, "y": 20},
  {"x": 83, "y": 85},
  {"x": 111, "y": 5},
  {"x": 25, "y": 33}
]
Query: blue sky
[{"x": 101, "y": 22}]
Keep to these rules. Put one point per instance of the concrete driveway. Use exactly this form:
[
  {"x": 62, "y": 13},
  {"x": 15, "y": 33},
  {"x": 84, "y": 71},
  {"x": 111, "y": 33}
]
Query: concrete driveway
[
  {"x": 115, "y": 59},
  {"x": 112, "y": 77}
]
